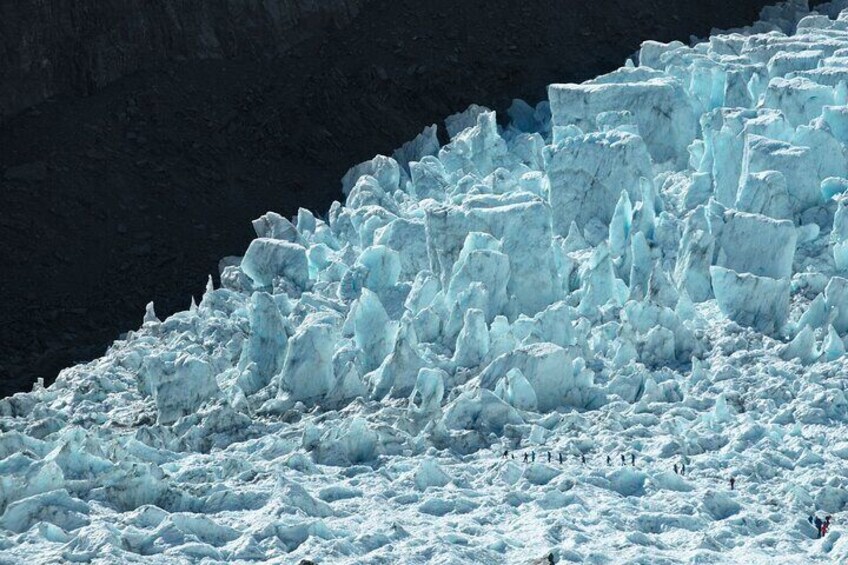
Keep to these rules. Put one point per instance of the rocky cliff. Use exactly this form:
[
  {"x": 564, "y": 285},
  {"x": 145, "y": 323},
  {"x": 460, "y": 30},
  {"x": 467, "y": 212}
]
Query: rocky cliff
[{"x": 60, "y": 46}]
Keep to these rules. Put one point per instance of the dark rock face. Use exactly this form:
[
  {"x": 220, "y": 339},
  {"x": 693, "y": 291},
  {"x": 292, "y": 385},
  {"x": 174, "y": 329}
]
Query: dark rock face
[
  {"x": 60, "y": 46},
  {"x": 135, "y": 191}
]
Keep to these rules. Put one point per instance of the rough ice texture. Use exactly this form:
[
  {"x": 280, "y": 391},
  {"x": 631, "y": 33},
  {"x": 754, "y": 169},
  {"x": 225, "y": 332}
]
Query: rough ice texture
[{"x": 650, "y": 263}]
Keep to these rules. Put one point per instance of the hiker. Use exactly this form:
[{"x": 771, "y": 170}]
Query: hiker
[
  {"x": 675, "y": 469},
  {"x": 560, "y": 457},
  {"x": 525, "y": 457},
  {"x": 533, "y": 456},
  {"x": 817, "y": 522},
  {"x": 826, "y": 526},
  {"x": 549, "y": 456},
  {"x": 506, "y": 453},
  {"x": 512, "y": 456},
  {"x": 608, "y": 460},
  {"x": 633, "y": 459},
  {"x": 623, "y": 460},
  {"x": 583, "y": 458},
  {"x": 683, "y": 468},
  {"x": 732, "y": 483}
]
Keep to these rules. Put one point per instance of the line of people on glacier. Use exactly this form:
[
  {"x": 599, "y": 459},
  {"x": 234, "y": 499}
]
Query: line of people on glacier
[
  {"x": 530, "y": 457},
  {"x": 822, "y": 526}
]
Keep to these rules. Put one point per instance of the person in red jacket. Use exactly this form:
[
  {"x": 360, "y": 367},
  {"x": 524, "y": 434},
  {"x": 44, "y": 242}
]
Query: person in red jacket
[{"x": 825, "y": 526}]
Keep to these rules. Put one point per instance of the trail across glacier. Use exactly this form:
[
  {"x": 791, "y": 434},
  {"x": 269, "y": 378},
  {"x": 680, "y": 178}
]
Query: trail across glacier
[{"x": 651, "y": 263}]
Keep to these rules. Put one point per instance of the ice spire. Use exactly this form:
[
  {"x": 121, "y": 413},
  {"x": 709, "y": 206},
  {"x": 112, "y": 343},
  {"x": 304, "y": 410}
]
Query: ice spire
[
  {"x": 150, "y": 315},
  {"x": 619, "y": 228}
]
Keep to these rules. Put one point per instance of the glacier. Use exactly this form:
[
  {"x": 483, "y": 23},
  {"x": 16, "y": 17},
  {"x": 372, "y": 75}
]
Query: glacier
[{"x": 561, "y": 333}]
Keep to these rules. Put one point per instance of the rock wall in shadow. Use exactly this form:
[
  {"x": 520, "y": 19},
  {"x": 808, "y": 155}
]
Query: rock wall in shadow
[{"x": 60, "y": 46}]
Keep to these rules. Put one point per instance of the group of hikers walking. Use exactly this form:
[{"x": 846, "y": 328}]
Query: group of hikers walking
[
  {"x": 821, "y": 526},
  {"x": 530, "y": 457}
]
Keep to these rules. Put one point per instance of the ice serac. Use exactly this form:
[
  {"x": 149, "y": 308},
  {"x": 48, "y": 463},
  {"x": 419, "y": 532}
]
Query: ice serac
[
  {"x": 479, "y": 410},
  {"x": 522, "y": 223},
  {"x": 796, "y": 163},
  {"x": 836, "y": 301},
  {"x": 429, "y": 389},
  {"x": 799, "y": 99},
  {"x": 482, "y": 261},
  {"x": 409, "y": 239},
  {"x": 588, "y": 173},
  {"x": 459, "y": 122},
  {"x": 695, "y": 255},
  {"x": 750, "y": 300},
  {"x": 833, "y": 347},
  {"x": 308, "y": 368},
  {"x": 548, "y": 370},
  {"x": 472, "y": 345},
  {"x": 765, "y": 193},
  {"x": 518, "y": 391},
  {"x": 396, "y": 373},
  {"x": 184, "y": 390},
  {"x": 266, "y": 344},
  {"x": 384, "y": 170},
  {"x": 753, "y": 243},
  {"x": 620, "y": 225},
  {"x": 478, "y": 149},
  {"x": 640, "y": 266},
  {"x": 372, "y": 329},
  {"x": 657, "y": 101},
  {"x": 56, "y": 507},
  {"x": 839, "y": 234},
  {"x": 274, "y": 226},
  {"x": 268, "y": 258},
  {"x": 600, "y": 285}
]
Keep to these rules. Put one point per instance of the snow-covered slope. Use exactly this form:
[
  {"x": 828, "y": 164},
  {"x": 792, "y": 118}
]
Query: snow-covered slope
[{"x": 650, "y": 265}]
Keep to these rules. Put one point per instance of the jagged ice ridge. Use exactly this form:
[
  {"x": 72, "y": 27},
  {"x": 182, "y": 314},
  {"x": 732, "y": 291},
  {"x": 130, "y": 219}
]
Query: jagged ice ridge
[{"x": 652, "y": 262}]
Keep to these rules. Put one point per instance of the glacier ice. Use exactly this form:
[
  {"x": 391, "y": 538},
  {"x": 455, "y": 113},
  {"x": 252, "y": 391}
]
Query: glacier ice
[
  {"x": 759, "y": 302},
  {"x": 267, "y": 259},
  {"x": 651, "y": 264},
  {"x": 588, "y": 172},
  {"x": 752, "y": 243},
  {"x": 657, "y": 100},
  {"x": 765, "y": 193}
]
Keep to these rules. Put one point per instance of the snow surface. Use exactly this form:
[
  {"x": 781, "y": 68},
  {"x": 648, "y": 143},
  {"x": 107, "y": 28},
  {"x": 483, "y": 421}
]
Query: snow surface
[{"x": 653, "y": 264}]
